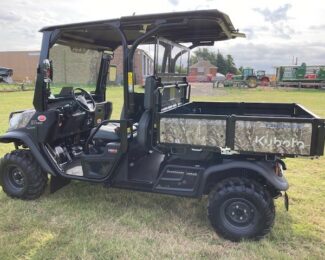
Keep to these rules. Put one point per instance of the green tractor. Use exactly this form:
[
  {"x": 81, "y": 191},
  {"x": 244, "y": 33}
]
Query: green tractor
[{"x": 248, "y": 78}]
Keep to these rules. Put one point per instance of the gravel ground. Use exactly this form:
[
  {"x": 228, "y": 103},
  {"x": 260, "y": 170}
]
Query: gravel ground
[{"x": 205, "y": 89}]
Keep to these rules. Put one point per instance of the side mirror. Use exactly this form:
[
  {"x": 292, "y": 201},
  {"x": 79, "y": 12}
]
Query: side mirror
[
  {"x": 112, "y": 73},
  {"x": 47, "y": 71}
]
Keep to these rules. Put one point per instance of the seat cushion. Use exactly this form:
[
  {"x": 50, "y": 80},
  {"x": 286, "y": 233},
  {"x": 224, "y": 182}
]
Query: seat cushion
[
  {"x": 110, "y": 131},
  {"x": 107, "y": 132}
]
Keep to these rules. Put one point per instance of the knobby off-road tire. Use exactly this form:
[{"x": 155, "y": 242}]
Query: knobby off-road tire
[
  {"x": 21, "y": 176},
  {"x": 240, "y": 208},
  {"x": 251, "y": 82}
]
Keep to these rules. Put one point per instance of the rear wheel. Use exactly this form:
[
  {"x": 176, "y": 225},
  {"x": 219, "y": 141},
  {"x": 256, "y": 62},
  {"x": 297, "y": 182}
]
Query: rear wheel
[
  {"x": 265, "y": 81},
  {"x": 240, "y": 208},
  {"x": 251, "y": 82},
  {"x": 20, "y": 175}
]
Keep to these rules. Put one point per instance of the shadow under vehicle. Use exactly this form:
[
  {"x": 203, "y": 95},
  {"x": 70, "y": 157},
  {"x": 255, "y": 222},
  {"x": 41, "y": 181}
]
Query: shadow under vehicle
[{"x": 163, "y": 142}]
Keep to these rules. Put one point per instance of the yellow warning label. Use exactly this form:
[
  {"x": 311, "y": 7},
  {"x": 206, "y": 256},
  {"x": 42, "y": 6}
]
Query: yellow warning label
[{"x": 130, "y": 79}]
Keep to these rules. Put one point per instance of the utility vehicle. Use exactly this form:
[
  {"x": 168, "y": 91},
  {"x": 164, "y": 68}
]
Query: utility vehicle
[{"x": 163, "y": 142}]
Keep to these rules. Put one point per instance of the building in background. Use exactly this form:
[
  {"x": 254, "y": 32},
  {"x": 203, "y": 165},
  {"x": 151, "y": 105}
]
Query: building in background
[
  {"x": 23, "y": 63},
  {"x": 143, "y": 65},
  {"x": 202, "y": 71}
]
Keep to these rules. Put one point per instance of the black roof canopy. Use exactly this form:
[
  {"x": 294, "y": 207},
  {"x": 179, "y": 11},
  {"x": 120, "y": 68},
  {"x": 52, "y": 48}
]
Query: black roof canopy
[{"x": 197, "y": 27}]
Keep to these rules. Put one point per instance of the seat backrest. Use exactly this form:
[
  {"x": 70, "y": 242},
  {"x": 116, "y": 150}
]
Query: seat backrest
[
  {"x": 138, "y": 107},
  {"x": 149, "y": 88},
  {"x": 144, "y": 132}
]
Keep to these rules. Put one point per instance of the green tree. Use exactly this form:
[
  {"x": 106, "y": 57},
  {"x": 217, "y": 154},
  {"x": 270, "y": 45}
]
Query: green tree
[
  {"x": 205, "y": 54},
  {"x": 193, "y": 59},
  {"x": 231, "y": 66},
  {"x": 221, "y": 64}
]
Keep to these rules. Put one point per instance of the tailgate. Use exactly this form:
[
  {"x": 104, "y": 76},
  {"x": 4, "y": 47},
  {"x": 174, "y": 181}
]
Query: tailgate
[
  {"x": 274, "y": 136},
  {"x": 288, "y": 137}
]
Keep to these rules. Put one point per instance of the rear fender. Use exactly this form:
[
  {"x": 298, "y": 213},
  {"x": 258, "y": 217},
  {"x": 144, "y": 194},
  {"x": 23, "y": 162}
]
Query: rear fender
[
  {"x": 21, "y": 137},
  {"x": 263, "y": 168}
]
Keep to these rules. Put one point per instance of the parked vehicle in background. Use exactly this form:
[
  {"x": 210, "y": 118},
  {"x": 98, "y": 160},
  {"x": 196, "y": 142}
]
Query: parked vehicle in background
[
  {"x": 247, "y": 78},
  {"x": 301, "y": 76},
  {"x": 6, "y": 75},
  {"x": 262, "y": 79}
]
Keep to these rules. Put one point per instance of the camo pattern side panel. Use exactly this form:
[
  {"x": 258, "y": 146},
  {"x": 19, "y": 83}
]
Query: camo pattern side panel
[
  {"x": 273, "y": 137},
  {"x": 202, "y": 132}
]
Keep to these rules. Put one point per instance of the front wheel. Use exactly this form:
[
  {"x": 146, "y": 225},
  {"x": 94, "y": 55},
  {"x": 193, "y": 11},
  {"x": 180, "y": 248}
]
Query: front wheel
[
  {"x": 240, "y": 208},
  {"x": 20, "y": 175}
]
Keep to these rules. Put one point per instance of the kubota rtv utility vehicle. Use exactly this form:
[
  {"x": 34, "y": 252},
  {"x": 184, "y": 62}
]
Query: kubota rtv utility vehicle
[{"x": 163, "y": 142}]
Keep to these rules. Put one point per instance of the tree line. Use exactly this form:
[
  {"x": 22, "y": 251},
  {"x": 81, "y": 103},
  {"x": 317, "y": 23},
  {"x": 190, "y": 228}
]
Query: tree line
[{"x": 225, "y": 64}]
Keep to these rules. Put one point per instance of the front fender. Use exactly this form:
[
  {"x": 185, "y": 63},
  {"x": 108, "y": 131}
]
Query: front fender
[
  {"x": 16, "y": 136},
  {"x": 263, "y": 168}
]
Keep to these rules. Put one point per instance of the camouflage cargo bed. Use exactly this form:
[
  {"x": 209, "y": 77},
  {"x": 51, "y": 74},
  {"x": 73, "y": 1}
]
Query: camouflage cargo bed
[{"x": 246, "y": 128}]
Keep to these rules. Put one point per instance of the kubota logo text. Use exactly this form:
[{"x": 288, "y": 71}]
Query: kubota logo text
[{"x": 273, "y": 141}]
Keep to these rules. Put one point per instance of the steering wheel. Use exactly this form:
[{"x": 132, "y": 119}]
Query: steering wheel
[{"x": 81, "y": 99}]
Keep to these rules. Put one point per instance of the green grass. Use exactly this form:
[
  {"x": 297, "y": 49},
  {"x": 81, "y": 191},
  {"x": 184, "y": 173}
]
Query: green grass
[
  {"x": 15, "y": 87},
  {"x": 86, "y": 221}
]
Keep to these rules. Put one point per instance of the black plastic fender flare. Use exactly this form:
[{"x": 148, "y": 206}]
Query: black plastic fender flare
[
  {"x": 263, "y": 168},
  {"x": 15, "y": 136}
]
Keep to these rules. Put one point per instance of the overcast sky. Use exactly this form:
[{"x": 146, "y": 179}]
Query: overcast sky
[{"x": 276, "y": 30}]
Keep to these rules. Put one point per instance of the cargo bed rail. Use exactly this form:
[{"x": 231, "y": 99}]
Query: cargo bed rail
[{"x": 285, "y": 130}]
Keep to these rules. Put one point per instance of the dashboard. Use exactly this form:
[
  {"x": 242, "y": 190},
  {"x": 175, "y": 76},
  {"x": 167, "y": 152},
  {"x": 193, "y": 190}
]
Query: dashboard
[{"x": 72, "y": 119}]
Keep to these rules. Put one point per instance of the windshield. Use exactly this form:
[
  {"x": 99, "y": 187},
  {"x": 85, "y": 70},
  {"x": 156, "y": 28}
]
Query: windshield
[
  {"x": 260, "y": 73},
  {"x": 171, "y": 58},
  {"x": 74, "y": 68}
]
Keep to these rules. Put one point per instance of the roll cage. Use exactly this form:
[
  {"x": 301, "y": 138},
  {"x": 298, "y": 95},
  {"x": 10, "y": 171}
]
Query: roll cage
[{"x": 198, "y": 28}]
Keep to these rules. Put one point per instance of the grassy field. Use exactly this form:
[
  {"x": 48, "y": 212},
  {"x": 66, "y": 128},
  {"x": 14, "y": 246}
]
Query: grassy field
[
  {"x": 86, "y": 221},
  {"x": 15, "y": 87}
]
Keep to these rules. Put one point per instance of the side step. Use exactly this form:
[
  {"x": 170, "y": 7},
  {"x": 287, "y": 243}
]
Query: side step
[
  {"x": 74, "y": 168},
  {"x": 179, "y": 180}
]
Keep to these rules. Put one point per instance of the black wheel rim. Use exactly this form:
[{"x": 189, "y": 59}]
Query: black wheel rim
[
  {"x": 239, "y": 213},
  {"x": 16, "y": 177}
]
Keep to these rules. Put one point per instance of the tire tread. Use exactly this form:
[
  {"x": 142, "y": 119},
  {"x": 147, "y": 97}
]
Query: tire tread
[
  {"x": 241, "y": 184},
  {"x": 37, "y": 178}
]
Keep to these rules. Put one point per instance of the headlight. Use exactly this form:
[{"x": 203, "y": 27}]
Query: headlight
[
  {"x": 20, "y": 120},
  {"x": 14, "y": 121}
]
